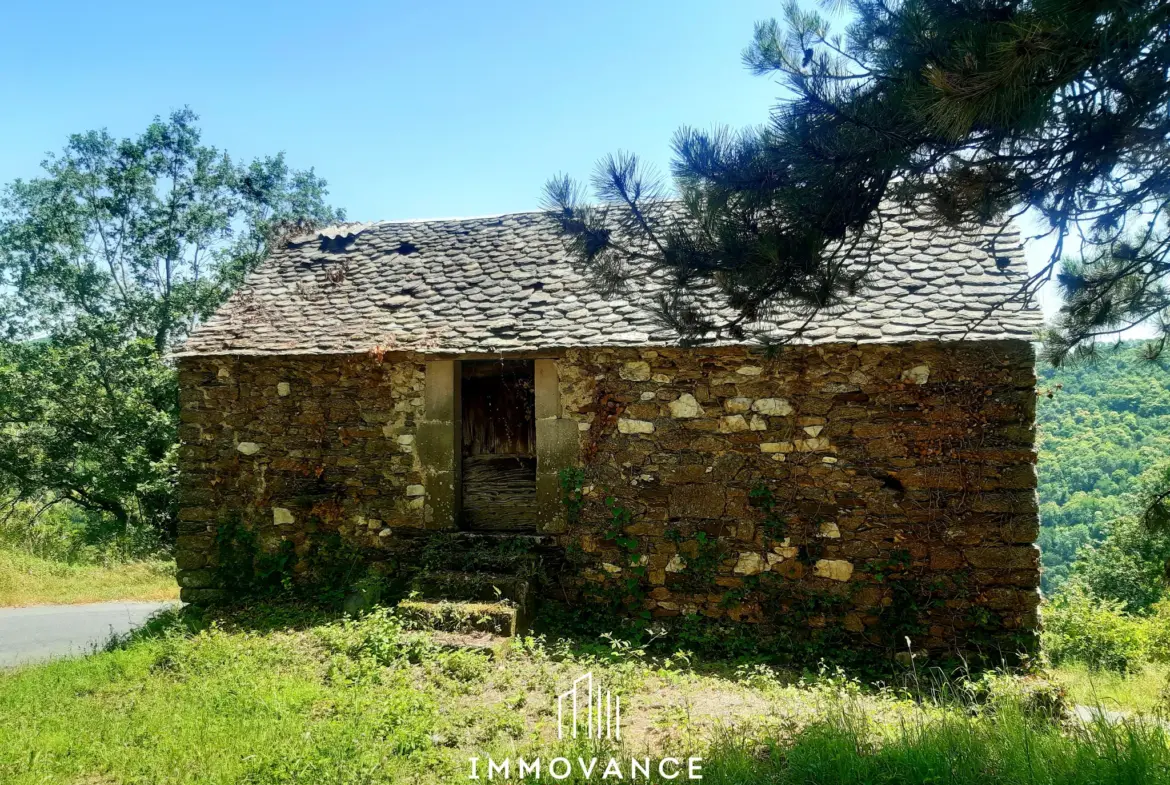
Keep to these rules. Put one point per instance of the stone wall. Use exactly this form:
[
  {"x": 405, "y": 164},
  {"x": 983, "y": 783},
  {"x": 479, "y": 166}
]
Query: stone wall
[
  {"x": 288, "y": 445},
  {"x": 901, "y": 478}
]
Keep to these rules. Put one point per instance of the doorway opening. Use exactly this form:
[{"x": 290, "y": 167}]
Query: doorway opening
[{"x": 499, "y": 445}]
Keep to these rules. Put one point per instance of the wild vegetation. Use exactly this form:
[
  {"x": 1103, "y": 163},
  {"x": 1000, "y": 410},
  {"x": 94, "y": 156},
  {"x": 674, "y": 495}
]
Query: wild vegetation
[
  {"x": 1104, "y": 430},
  {"x": 62, "y": 555},
  {"x": 29, "y": 580},
  {"x": 107, "y": 260},
  {"x": 276, "y": 695},
  {"x": 122, "y": 246}
]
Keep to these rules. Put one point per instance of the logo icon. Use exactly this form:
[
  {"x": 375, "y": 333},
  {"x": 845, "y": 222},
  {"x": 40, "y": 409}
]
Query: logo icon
[{"x": 602, "y": 710}]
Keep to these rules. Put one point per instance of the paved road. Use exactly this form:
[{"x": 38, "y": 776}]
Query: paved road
[{"x": 41, "y": 632}]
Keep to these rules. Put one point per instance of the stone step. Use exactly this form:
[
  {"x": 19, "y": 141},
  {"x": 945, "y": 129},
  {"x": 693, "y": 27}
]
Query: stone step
[
  {"x": 495, "y": 618},
  {"x": 463, "y": 539},
  {"x": 474, "y": 586},
  {"x": 530, "y": 538},
  {"x": 496, "y": 552},
  {"x": 497, "y": 646}
]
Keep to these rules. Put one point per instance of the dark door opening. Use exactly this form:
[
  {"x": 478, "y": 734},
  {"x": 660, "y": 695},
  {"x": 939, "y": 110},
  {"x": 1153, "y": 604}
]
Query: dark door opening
[{"x": 499, "y": 445}]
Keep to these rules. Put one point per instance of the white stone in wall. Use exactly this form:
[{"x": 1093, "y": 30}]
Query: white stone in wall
[
  {"x": 686, "y": 407},
  {"x": 733, "y": 424},
  {"x": 415, "y": 490},
  {"x": 635, "y": 426},
  {"x": 820, "y": 444},
  {"x": 749, "y": 563},
  {"x": 750, "y": 370},
  {"x": 611, "y": 568},
  {"x": 776, "y": 447},
  {"x": 248, "y": 448},
  {"x": 919, "y": 374},
  {"x": 738, "y": 405},
  {"x": 637, "y": 371},
  {"x": 833, "y": 569},
  {"x": 786, "y": 551},
  {"x": 281, "y": 516},
  {"x": 830, "y": 530},
  {"x": 814, "y": 430},
  {"x": 282, "y": 389},
  {"x": 758, "y": 423},
  {"x": 777, "y": 407},
  {"x": 675, "y": 564}
]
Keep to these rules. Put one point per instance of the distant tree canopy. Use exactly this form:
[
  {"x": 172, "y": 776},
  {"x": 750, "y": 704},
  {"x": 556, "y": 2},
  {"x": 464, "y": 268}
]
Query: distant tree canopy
[
  {"x": 106, "y": 262},
  {"x": 1104, "y": 444},
  {"x": 972, "y": 111}
]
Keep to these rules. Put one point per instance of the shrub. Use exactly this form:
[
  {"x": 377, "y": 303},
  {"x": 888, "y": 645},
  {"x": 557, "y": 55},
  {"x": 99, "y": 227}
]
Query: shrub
[
  {"x": 1080, "y": 628},
  {"x": 1158, "y": 633},
  {"x": 377, "y": 636},
  {"x": 65, "y": 533}
]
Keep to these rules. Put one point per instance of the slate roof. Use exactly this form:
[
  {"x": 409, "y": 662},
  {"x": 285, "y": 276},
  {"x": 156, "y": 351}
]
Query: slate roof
[{"x": 504, "y": 284}]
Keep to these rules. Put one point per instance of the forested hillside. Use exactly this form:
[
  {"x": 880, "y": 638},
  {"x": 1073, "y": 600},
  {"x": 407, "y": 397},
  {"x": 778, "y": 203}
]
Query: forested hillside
[{"x": 1101, "y": 426}]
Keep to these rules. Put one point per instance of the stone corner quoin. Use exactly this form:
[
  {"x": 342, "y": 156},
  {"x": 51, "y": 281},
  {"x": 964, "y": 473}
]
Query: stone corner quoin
[{"x": 897, "y": 473}]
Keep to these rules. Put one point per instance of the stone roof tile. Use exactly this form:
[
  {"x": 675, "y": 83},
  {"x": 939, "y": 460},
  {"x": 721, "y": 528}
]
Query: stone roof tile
[{"x": 505, "y": 283}]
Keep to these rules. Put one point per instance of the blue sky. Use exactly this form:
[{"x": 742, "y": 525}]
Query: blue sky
[{"x": 408, "y": 109}]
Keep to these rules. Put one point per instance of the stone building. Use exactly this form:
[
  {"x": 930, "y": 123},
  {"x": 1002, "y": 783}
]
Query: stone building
[{"x": 392, "y": 382}]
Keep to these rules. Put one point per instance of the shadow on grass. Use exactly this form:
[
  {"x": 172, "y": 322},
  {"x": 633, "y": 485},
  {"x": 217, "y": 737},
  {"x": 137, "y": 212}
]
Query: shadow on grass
[
  {"x": 723, "y": 651},
  {"x": 256, "y": 616}
]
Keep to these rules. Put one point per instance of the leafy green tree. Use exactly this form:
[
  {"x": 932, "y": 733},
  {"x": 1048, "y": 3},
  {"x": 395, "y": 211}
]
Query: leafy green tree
[
  {"x": 107, "y": 261},
  {"x": 1101, "y": 425},
  {"x": 1129, "y": 563},
  {"x": 975, "y": 110},
  {"x": 1128, "y": 567}
]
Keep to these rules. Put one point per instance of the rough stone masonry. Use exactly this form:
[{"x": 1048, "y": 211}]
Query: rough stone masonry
[
  {"x": 899, "y": 473},
  {"x": 869, "y": 481}
]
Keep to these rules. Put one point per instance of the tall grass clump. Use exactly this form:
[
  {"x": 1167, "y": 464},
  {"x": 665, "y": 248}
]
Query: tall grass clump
[
  {"x": 58, "y": 553},
  {"x": 1002, "y": 743}
]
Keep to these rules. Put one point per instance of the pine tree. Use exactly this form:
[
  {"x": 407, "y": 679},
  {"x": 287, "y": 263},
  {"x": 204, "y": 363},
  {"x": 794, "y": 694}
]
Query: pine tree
[{"x": 972, "y": 111}]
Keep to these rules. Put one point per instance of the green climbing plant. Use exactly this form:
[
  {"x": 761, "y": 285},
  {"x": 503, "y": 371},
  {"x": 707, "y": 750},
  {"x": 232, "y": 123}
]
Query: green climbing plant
[
  {"x": 701, "y": 554},
  {"x": 774, "y": 524},
  {"x": 631, "y": 587},
  {"x": 572, "y": 483},
  {"x": 325, "y": 570}
]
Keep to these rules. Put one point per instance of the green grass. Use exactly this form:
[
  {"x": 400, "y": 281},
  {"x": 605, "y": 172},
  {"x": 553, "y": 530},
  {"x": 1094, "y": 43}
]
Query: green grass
[
  {"x": 1146, "y": 690},
  {"x": 26, "y": 579},
  {"x": 274, "y": 696}
]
